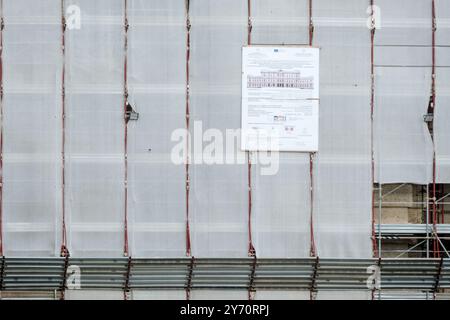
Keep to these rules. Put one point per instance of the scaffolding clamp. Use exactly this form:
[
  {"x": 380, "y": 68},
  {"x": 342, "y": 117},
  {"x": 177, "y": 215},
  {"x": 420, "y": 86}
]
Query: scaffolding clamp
[
  {"x": 438, "y": 276},
  {"x": 126, "y": 286},
  {"x": 313, "y": 286},
  {"x": 251, "y": 288},
  {"x": 189, "y": 278}
]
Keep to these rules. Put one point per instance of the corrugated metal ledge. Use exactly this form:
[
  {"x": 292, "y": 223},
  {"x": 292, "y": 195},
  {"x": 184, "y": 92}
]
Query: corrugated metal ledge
[{"x": 19, "y": 274}]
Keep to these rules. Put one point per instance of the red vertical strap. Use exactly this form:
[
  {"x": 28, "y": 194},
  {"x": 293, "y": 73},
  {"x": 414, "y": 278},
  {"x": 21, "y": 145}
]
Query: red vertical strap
[
  {"x": 125, "y": 101},
  {"x": 313, "y": 251},
  {"x": 433, "y": 109},
  {"x": 372, "y": 110},
  {"x": 188, "y": 57},
  {"x": 64, "y": 251},
  {"x": 251, "y": 248},
  {"x": 2, "y": 26}
]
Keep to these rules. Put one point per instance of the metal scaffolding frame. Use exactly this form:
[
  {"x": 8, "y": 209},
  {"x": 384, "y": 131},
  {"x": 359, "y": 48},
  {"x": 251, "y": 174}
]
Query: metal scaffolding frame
[{"x": 427, "y": 231}]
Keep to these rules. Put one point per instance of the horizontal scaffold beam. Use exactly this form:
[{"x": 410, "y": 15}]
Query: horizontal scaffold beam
[{"x": 52, "y": 274}]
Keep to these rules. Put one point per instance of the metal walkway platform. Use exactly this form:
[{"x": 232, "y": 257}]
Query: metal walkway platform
[{"x": 29, "y": 274}]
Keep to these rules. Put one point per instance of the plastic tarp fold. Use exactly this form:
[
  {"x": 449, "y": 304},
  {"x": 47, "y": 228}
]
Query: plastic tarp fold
[
  {"x": 342, "y": 170},
  {"x": 31, "y": 128},
  {"x": 403, "y": 145}
]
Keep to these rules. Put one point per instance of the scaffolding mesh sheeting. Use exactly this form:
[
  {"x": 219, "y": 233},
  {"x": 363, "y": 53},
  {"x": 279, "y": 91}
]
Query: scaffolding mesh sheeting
[
  {"x": 95, "y": 130},
  {"x": 31, "y": 126},
  {"x": 342, "y": 207},
  {"x": 156, "y": 77},
  {"x": 281, "y": 202},
  {"x": 442, "y": 113},
  {"x": 403, "y": 68},
  {"x": 71, "y": 161},
  {"x": 219, "y": 193}
]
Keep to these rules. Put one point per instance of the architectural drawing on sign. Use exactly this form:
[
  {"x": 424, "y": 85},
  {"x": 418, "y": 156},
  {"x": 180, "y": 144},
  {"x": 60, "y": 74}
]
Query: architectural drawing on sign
[{"x": 280, "y": 79}]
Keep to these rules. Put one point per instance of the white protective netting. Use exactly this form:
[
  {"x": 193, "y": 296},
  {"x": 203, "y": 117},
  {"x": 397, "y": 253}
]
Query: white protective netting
[
  {"x": 442, "y": 113},
  {"x": 157, "y": 88},
  {"x": 94, "y": 173},
  {"x": 403, "y": 145},
  {"x": 281, "y": 202},
  {"x": 342, "y": 186},
  {"x": 32, "y": 127},
  {"x": 95, "y": 198},
  {"x": 219, "y": 193}
]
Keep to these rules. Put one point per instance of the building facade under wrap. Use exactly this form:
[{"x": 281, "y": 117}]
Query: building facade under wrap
[{"x": 79, "y": 181}]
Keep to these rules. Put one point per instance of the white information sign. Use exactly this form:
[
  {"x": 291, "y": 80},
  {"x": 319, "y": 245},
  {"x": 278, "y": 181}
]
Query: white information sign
[{"x": 280, "y": 98}]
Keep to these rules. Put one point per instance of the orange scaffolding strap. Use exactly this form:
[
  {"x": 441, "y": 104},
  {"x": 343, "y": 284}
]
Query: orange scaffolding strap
[{"x": 188, "y": 57}]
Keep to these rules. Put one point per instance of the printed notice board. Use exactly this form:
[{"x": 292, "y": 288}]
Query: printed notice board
[{"x": 280, "y": 98}]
